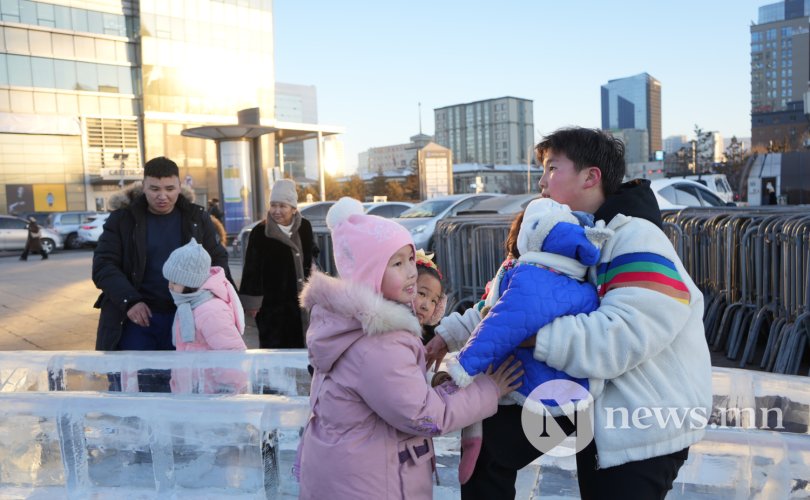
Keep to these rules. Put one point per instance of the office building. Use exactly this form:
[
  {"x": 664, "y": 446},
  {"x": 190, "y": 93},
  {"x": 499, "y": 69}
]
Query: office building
[
  {"x": 494, "y": 131},
  {"x": 780, "y": 70},
  {"x": 392, "y": 158},
  {"x": 89, "y": 90},
  {"x": 675, "y": 142},
  {"x": 634, "y": 102}
]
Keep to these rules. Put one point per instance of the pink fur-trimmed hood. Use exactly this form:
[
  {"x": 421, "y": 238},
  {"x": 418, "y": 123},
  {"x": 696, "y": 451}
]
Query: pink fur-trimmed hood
[{"x": 342, "y": 311}]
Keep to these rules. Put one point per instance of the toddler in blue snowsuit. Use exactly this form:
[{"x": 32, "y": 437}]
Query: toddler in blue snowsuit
[{"x": 548, "y": 280}]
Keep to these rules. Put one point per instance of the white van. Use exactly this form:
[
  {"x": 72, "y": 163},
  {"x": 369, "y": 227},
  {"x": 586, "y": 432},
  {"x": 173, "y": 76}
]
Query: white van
[{"x": 716, "y": 182}]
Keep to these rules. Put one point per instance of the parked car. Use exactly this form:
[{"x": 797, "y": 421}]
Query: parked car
[
  {"x": 507, "y": 204},
  {"x": 67, "y": 224},
  {"x": 674, "y": 194},
  {"x": 718, "y": 183},
  {"x": 387, "y": 209},
  {"x": 315, "y": 213},
  {"x": 90, "y": 231},
  {"x": 421, "y": 219},
  {"x": 14, "y": 234}
]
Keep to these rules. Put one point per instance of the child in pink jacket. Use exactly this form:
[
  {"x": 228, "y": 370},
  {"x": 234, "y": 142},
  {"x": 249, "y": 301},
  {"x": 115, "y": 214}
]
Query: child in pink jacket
[
  {"x": 373, "y": 413},
  {"x": 209, "y": 317}
]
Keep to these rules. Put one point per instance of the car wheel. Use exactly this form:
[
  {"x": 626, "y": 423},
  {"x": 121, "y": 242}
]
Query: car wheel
[
  {"x": 72, "y": 242},
  {"x": 47, "y": 245}
]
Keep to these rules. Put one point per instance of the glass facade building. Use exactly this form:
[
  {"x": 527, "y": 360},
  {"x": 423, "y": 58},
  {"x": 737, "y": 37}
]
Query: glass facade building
[
  {"x": 634, "y": 103},
  {"x": 780, "y": 50},
  {"x": 496, "y": 131},
  {"x": 91, "y": 89}
]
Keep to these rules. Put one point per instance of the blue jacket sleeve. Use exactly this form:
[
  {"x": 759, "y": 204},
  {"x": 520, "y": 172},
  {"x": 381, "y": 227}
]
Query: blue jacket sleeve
[{"x": 525, "y": 306}]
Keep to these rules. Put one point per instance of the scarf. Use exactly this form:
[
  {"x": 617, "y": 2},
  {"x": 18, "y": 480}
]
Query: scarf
[
  {"x": 186, "y": 303},
  {"x": 286, "y": 229}
]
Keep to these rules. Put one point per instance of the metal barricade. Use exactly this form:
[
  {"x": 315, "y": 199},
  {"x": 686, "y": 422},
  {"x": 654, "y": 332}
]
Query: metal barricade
[{"x": 752, "y": 266}]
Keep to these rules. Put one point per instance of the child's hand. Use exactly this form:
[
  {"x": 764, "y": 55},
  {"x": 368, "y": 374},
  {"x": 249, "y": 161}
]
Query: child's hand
[
  {"x": 506, "y": 376},
  {"x": 436, "y": 350},
  {"x": 439, "y": 378}
]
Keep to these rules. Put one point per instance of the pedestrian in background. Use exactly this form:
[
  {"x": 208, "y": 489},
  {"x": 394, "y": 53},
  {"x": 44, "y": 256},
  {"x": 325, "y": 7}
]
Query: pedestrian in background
[
  {"x": 151, "y": 220},
  {"x": 278, "y": 259},
  {"x": 33, "y": 244},
  {"x": 214, "y": 210}
]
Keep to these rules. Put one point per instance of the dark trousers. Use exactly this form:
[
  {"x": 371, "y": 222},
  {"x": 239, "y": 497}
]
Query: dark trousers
[
  {"x": 25, "y": 253},
  {"x": 155, "y": 337},
  {"x": 643, "y": 480},
  {"x": 505, "y": 450},
  {"x": 280, "y": 329}
]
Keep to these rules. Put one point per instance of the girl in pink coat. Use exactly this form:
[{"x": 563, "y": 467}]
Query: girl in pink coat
[
  {"x": 373, "y": 413},
  {"x": 209, "y": 317}
]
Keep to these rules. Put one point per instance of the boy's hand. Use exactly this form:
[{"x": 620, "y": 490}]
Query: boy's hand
[
  {"x": 507, "y": 376},
  {"x": 436, "y": 350}
]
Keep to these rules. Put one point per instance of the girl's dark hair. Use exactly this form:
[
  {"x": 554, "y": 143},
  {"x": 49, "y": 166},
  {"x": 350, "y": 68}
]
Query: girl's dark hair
[
  {"x": 423, "y": 269},
  {"x": 511, "y": 239},
  {"x": 189, "y": 290}
]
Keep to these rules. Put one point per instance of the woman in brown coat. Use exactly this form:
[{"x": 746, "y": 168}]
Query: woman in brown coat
[{"x": 33, "y": 245}]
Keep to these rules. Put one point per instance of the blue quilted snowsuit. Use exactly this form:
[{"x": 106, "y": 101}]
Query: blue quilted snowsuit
[{"x": 530, "y": 295}]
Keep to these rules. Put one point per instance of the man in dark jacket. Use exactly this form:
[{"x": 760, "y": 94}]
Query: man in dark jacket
[{"x": 137, "y": 309}]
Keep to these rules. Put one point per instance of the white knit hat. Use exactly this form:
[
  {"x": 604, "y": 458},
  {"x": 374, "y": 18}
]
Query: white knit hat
[
  {"x": 189, "y": 265},
  {"x": 284, "y": 192}
]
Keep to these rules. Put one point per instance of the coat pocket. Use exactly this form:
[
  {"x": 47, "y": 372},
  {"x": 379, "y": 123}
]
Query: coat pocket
[{"x": 415, "y": 457}]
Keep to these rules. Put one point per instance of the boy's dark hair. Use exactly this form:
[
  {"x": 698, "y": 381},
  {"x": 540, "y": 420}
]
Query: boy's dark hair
[
  {"x": 160, "y": 167},
  {"x": 588, "y": 148},
  {"x": 511, "y": 239}
]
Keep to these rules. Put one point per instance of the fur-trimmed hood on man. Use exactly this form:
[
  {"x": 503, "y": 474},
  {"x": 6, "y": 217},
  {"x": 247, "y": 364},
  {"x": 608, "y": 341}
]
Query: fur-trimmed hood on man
[
  {"x": 342, "y": 312},
  {"x": 129, "y": 194}
]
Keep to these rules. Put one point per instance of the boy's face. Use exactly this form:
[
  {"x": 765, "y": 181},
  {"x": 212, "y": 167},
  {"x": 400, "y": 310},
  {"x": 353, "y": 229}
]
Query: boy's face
[{"x": 562, "y": 183}]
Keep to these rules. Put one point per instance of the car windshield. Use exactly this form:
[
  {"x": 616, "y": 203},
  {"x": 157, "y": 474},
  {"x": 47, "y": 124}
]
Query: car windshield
[{"x": 428, "y": 208}]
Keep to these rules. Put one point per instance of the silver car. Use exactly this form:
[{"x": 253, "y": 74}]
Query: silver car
[
  {"x": 67, "y": 225},
  {"x": 14, "y": 234},
  {"x": 421, "y": 218}
]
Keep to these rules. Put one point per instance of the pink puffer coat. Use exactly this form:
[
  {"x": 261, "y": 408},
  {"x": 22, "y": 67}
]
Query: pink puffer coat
[
  {"x": 373, "y": 413},
  {"x": 219, "y": 323}
]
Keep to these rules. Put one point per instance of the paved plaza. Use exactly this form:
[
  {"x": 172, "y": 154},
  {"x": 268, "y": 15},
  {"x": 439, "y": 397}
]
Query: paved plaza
[{"x": 48, "y": 304}]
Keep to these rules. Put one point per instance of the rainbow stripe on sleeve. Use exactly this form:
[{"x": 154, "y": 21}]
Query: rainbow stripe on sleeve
[{"x": 644, "y": 270}]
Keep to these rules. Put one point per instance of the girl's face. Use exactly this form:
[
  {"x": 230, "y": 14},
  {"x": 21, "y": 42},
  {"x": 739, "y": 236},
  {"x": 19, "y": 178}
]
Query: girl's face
[
  {"x": 176, "y": 287},
  {"x": 428, "y": 293},
  {"x": 281, "y": 213},
  {"x": 399, "y": 278}
]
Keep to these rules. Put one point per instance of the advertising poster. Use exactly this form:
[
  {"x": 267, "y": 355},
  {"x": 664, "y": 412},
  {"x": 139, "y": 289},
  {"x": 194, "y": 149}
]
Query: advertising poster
[
  {"x": 19, "y": 198},
  {"x": 235, "y": 182},
  {"x": 49, "y": 198}
]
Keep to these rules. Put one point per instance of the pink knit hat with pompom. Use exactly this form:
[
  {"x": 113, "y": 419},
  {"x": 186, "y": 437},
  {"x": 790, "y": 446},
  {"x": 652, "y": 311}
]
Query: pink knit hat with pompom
[{"x": 363, "y": 244}]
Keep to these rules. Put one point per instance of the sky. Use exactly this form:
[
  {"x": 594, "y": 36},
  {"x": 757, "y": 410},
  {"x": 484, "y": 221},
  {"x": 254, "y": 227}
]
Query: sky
[{"x": 373, "y": 62}]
